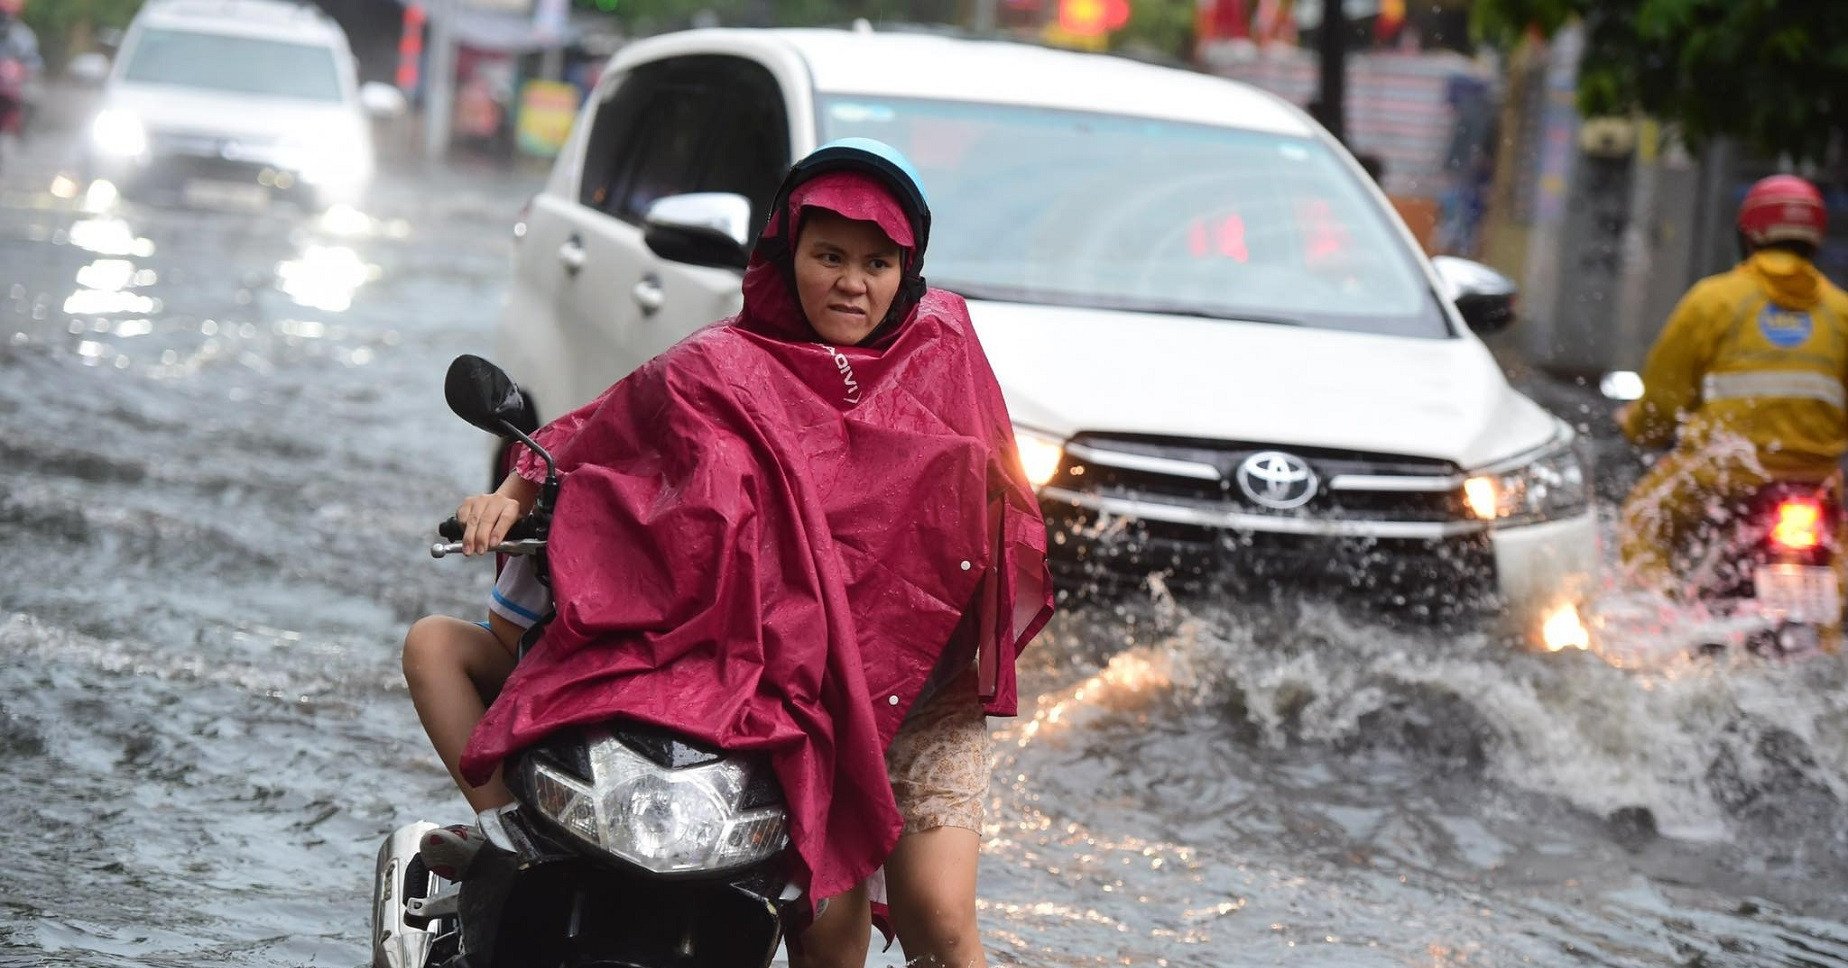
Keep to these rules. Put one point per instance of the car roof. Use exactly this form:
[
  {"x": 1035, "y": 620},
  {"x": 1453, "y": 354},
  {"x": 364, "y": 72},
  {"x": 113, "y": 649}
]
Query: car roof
[
  {"x": 912, "y": 64},
  {"x": 277, "y": 19}
]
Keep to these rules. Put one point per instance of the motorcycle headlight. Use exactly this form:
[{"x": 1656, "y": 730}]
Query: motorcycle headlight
[
  {"x": 119, "y": 133},
  {"x": 664, "y": 820},
  {"x": 1040, "y": 454},
  {"x": 1541, "y": 485}
]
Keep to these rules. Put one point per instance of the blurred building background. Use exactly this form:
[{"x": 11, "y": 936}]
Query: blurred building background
[{"x": 1476, "y": 135}]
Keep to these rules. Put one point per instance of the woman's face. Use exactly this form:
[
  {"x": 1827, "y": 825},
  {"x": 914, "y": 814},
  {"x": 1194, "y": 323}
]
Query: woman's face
[{"x": 847, "y": 273}]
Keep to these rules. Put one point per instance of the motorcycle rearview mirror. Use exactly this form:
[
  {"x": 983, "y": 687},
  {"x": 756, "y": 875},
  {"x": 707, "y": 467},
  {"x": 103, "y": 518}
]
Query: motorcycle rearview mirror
[
  {"x": 482, "y": 394},
  {"x": 1621, "y": 385},
  {"x": 485, "y": 396}
]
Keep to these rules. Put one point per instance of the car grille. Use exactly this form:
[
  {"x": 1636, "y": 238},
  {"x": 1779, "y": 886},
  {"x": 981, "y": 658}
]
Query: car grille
[
  {"x": 203, "y": 145},
  {"x": 1124, "y": 506}
]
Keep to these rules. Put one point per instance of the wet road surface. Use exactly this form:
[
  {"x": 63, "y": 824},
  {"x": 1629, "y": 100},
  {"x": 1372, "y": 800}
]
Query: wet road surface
[{"x": 223, "y": 445}]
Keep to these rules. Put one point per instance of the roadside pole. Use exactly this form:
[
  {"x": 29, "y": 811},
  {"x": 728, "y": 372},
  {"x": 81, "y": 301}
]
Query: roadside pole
[
  {"x": 984, "y": 20},
  {"x": 440, "y": 79},
  {"x": 550, "y": 21},
  {"x": 1331, "y": 48}
]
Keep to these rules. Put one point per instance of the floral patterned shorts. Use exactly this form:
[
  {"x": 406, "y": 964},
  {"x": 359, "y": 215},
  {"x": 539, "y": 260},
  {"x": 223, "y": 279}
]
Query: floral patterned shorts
[{"x": 938, "y": 762}]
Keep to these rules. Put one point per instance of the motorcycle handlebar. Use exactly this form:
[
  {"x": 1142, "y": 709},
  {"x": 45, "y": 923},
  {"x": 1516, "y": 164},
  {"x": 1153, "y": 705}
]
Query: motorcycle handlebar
[
  {"x": 526, "y": 546},
  {"x": 521, "y": 539},
  {"x": 522, "y": 529}
]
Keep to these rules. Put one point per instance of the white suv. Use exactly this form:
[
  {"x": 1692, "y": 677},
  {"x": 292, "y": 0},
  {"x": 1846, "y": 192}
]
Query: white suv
[
  {"x": 1226, "y": 357},
  {"x": 236, "y": 100}
]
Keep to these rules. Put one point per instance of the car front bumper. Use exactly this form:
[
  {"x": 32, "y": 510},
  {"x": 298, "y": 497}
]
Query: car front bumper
[
  {"x": 1509, "y": 577},
  {"x": 175, "y": 163}
]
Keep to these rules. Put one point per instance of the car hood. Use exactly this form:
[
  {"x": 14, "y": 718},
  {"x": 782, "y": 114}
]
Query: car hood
[
  {"x": 163, "y": 107},
  {"x": 1066, "y": 370}
]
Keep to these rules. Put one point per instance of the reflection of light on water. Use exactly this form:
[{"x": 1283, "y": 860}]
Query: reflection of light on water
[
  {"x": 114, "y": 274},
  {"x": 109, "y": 236},
  {"x": 1563, "y": 629},
  {"x": 99, "y": 302},
  {"x": 95, "y": 354},
  {"x": 345, "y": 220},
  {"x": 1129, "y": 679},
  {"x": 101, "y": 197},
  {"x": 325, "y": 277},
  {"x": 302, "y": 328}
]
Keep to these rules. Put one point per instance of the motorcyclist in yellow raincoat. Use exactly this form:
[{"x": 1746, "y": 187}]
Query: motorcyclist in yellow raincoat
[{"x": 1747, "y": 380}]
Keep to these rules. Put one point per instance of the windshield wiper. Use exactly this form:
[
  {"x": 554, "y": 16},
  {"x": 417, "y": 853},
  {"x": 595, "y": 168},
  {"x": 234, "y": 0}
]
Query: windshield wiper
[
  {"x": 1235, "y": 317},
  {"x": 1013, "y": 294}
]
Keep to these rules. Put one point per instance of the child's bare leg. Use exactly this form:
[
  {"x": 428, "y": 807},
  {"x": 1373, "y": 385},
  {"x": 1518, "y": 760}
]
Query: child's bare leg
[
  {"x": 454, "y": 669},
  {"x": 930, "y": 881},
  {"x": 840, "y": 937}
]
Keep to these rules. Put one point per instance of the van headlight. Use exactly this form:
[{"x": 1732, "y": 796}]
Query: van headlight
[
  {"x": 663, "y": 820},
  {"x": 1040, "y": 454},
  {"x": 119, "y": 133},
  {"x": 1540, "y": 485}
]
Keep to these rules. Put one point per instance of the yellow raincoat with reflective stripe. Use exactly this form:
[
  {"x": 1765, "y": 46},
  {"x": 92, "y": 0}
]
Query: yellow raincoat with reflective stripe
[{"x": 1748, "y": 380}]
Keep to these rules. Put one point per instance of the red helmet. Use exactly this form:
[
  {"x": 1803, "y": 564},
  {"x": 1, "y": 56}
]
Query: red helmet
[{"x": 1783, "y": 208}]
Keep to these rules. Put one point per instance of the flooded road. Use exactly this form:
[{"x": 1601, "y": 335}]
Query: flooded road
[{"x": 223, "y": 445}]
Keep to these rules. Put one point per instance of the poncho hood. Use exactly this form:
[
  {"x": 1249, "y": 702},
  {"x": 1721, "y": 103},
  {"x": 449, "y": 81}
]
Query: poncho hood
[
  {"x": 1786, "y": 278},
  {"x": 767, "y": 543}
]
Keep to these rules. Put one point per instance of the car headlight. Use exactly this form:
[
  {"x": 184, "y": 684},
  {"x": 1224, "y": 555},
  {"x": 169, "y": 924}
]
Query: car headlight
[
  {"x": 666, "y": 821},
  {"x": 1537, "y": 486},
  {"x": 333, "y": 154},
  {"x": 117, "y": 132},
  {"x": 1040, "y": 454}
]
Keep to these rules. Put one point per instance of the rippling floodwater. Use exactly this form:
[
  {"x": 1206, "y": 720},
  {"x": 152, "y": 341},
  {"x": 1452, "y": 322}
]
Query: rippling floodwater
[{"x": 222, "y": 446}]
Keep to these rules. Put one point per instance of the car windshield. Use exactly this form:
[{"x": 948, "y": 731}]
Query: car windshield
[
  {"x": 242, "y": 65},
  {"x": 1074, "y": 208}
]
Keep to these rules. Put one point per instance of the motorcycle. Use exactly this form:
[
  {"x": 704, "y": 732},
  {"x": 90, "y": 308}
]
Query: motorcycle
[
  {"x": 1771, "y": 557},
  {"x": 627, "y": 846}
]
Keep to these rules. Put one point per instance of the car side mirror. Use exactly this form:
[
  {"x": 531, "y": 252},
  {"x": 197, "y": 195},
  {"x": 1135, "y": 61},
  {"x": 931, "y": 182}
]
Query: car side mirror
[
  {"x": 1483, "y": 296},
  {"x": 89, "y": 69},
  {"x": 485, "y": 396},
  {"x": 382, "y": 100},
  {"x": 700, "y": 228}
]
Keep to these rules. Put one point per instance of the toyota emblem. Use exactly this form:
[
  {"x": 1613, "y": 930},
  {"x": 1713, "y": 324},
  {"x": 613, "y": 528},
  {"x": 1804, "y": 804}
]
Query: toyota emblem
[{"x": 1277, "y": 480}]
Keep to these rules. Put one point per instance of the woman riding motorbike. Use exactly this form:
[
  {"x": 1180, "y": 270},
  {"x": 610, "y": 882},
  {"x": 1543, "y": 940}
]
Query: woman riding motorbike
[{"x": 802, "y": 531}]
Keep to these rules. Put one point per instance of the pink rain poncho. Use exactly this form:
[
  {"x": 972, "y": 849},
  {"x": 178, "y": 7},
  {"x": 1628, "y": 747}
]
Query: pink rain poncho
[{"x": 766, "y": 543}]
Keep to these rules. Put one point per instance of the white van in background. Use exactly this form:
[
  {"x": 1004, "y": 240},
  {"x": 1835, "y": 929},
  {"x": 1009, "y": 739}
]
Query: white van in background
[{"x": 236, "y": 100}]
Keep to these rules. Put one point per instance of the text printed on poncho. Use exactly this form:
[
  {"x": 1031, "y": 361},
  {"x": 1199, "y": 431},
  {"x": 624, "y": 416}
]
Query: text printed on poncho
[{"x": 841, "y": 363}]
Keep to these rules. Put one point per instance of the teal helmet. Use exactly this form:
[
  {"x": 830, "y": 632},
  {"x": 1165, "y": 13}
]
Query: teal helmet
[{"x": 875, "y": 158}]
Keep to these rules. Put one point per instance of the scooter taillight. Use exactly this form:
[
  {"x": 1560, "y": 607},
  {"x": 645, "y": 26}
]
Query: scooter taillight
[{"x": 1799, "y": 525}]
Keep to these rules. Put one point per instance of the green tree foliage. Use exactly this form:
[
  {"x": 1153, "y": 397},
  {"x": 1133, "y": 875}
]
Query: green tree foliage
[
  {"x": 1772, "y": 73},
  {"x": 67, "y": 27},
  {"x": 1161, "y": 26}
]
